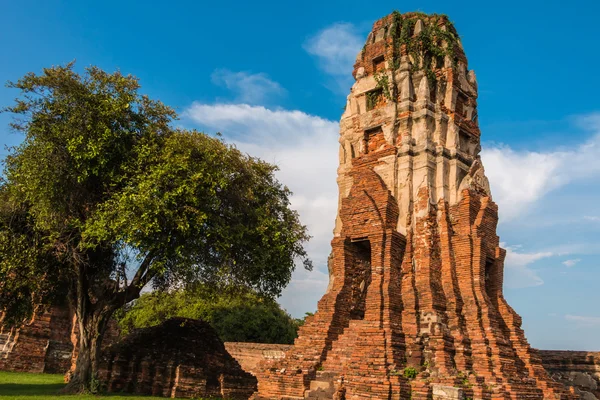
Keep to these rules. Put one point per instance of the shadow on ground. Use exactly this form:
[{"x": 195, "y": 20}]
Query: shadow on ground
[{"x": 16, "y": 389}]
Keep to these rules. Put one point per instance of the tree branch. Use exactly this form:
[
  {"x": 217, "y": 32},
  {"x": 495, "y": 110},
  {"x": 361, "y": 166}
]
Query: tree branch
[{"x": 140, "y": 279}]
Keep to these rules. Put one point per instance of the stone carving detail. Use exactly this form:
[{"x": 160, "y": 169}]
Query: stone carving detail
[{"x": 415, "y": 207}]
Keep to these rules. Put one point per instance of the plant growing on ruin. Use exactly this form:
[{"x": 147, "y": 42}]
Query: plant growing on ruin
[
  {"x": 104, "y": 197},
  {"x": 374, "y": 97},
  {"x": 410, "y": 373},
  {"x": 430, "y": 45},
  {"x": 383, "y": 84}
]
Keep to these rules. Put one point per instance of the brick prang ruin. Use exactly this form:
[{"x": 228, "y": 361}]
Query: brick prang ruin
[{"x": 414, "y": 307}]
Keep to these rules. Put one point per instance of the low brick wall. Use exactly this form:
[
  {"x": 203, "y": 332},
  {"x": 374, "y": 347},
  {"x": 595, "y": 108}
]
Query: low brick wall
[
  {"x": 180, "y": 358},
  {"x": 46, "y": 343},
  {"x": 580, "y": 369},
  {"x": 250, "y": 354}
]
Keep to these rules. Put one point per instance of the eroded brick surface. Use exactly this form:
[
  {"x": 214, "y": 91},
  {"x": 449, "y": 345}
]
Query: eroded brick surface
[
  {"x": 47, "y": 343},
  {"x": 179, "y": 358},
  {"x": 416, "y": 269},
  {"x": 41, "y": 345},
  {"x": 249, "y": 355}
]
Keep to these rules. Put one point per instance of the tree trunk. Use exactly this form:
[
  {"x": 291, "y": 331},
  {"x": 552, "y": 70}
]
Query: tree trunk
[{"x": 91, "y": 331}]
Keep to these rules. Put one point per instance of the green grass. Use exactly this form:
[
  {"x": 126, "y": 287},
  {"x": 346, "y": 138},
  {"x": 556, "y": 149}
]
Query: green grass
[{"x": 23, "y": 386}]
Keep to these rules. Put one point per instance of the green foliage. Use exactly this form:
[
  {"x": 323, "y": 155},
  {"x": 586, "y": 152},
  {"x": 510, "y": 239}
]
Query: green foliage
[
  {"x": 431, "y": 43},
  {"x": 410, "y": 373},
  {"x": 373, "y": 98},
  {"x": 102, "y": 185},
  {"x": 383, "y": 84},
  {"x": 237, "y": 314}
]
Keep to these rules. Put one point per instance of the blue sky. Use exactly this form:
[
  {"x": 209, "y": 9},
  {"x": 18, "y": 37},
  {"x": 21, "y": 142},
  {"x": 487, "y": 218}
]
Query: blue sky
[{"x": 273, "y": 76}]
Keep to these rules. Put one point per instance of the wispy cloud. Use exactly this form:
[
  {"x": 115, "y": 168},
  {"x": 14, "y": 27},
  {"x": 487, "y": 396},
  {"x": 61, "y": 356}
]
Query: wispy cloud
[
  {"x": 592, "y": 218},
  {"x": 517, "y": 264},
  {"x": 521, "y": 178},
  {"x": 571, "y": 263},
  {"x": 581, "y": 320},
  {"x": 248, "y": 87},
  {"x": 335, "y": 48}
]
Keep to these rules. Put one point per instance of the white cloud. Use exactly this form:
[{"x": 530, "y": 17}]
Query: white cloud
[
  {"x": 520, "y": 178},
  {"x": 336, "y": 48},
  {"x": 304, "y": 147},
  {"x": 518, "y": 273},
  {"x": 592, "y": 218},
  {"x": 583, "y": 320},
  {"x": 248, "y": 88},
  {"x": 571, "y": 263}
]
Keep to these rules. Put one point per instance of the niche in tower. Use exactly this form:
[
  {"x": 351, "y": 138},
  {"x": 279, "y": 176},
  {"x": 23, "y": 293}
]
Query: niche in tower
[
  {"x": 379, "y": 64},
  {"x": 360, "y": 273},
  {"x": 374, "y": 139},
  {"x": 492, "y": 285}
]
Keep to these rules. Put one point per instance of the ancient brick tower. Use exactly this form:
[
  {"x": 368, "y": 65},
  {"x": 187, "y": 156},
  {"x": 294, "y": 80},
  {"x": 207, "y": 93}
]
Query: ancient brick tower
[{"x": 416, "y": 269}]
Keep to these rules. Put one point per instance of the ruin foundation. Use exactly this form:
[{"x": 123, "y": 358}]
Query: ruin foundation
[{"x": 414, "y": 307}]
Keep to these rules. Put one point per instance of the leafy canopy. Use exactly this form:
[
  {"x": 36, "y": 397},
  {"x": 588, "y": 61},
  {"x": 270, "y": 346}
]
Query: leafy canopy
[{"x": 104, "y": 196}]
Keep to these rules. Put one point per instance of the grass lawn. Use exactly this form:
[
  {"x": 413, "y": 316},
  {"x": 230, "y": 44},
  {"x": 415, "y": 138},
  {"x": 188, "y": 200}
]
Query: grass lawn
[{"x": 23, "y": 386}]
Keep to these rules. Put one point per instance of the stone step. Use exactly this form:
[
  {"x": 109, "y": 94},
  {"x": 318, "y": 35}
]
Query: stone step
[{"x": 322, "y": 387}]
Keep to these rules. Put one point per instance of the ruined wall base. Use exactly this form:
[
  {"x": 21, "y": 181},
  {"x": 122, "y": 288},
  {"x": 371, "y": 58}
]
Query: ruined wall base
[{"x": 42, "y": 345}]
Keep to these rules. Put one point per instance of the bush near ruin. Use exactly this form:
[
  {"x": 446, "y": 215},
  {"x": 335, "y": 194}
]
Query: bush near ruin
[
  {"x": 236, "y": 314},
  {"x": 105, "y": 197}
]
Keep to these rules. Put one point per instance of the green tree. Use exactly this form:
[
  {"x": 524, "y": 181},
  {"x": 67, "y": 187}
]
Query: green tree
[
  {"x": 237, "y": 314},
  {"x": 104, "y": 197}
]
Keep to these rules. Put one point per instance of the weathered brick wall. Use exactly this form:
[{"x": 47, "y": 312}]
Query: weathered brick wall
[
  {"x": 249, "y": 355},
  {"x": 179, "y": 358},
  {"x": 580, "y": 369},
  {"x": 40, "y": 345},
  {"x": 47, "y": 343}
]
